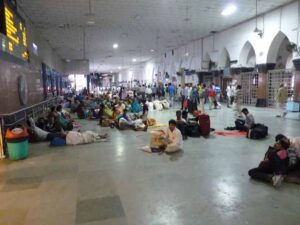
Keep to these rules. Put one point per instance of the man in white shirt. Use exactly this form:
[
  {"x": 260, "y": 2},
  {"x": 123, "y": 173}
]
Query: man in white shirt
[
  {"x": 174, "y": 138},
  {"x": 230, "y": 95}
]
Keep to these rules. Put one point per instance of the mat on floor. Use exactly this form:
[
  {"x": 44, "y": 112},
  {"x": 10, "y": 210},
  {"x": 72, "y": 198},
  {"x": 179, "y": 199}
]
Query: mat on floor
[{"x": 231, "y": 133}]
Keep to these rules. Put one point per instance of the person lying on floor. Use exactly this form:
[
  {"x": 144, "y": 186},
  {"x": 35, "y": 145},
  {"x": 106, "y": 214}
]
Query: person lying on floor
[
  {"x": 243, "y": 125},
  {"x": 69, "y": 138},
  {"x": 274, "y": 165}
]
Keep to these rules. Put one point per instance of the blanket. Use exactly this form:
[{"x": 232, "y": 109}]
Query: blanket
[{"x": 231, "y": 133}]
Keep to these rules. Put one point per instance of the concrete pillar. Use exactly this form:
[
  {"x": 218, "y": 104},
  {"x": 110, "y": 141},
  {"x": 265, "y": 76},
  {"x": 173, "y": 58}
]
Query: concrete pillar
[
  {"x": 262, "y": 83},
  {"x": 297, "y": 80}
]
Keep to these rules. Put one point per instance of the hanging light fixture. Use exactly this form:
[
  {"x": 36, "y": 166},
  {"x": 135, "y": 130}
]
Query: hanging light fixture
[
  {"x": 90, "y": 16},
  {"x": 256, "y": 30}
]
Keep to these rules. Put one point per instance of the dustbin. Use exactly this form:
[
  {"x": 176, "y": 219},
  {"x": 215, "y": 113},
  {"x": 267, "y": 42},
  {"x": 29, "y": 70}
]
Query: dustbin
[{"x": 17, "y": 143}]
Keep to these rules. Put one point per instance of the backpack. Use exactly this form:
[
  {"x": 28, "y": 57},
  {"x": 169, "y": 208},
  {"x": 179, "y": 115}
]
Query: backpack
[
  {"x": 193, "y": 130},
  {"x": 258, "y": 131}
]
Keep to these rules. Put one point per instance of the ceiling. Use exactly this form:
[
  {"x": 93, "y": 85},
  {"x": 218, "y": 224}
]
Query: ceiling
[{"x": 136, "y": 25}]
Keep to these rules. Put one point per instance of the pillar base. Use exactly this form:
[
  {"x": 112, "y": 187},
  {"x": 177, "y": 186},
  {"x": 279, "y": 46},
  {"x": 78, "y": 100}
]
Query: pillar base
[{"x": 261, "y": 102}]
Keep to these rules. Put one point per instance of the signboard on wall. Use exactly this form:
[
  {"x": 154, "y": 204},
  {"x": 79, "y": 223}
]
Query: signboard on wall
[{"x": 12, "y": 26}]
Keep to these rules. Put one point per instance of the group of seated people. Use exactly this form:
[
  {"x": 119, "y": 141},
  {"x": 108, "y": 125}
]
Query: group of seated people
[
  {"x": 280, "y": 160},
  {"x": 111, "y": 111}
]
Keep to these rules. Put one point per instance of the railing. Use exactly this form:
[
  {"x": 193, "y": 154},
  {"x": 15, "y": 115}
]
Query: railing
[{"x": 20, "y": 116}]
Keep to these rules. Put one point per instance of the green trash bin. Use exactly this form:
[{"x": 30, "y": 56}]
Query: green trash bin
[{"x": 17, "y": 143}]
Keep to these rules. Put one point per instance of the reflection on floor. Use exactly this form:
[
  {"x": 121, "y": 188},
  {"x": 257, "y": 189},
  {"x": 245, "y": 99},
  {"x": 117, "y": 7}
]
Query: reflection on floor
[{"x": 114, "y": 183}]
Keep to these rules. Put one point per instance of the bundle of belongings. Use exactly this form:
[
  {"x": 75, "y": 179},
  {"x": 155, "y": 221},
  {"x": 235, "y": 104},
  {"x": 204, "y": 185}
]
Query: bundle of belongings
[
  {"x": 257, "y": 131},
  {"x": 160, "y": 105},
  {"x": 161, "y": 141}
]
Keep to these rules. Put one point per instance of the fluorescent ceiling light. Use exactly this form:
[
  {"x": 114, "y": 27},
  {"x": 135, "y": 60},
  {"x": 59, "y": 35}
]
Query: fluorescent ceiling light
[
  {"x": 133, "y": 60},
  {"x": 187, "y": 54},
  {"x": 115, "y": 46},
  {"x": 91, "y": 22},
  {"x": 152, "y": 50},
  {"x": 119, "y": 67},
  {"x": 229, "y": 10}
]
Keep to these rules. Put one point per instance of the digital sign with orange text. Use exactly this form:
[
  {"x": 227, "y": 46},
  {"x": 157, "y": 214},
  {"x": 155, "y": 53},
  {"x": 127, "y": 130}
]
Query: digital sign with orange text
[{"x": 13, "y": 27}]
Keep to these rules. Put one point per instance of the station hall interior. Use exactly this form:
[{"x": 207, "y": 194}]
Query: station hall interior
[{"x": 138, "y": 112}]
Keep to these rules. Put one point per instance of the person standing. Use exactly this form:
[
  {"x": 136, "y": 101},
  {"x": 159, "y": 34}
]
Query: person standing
[
  {"x": 211, "y": 96},
  {"x": 194, "y": 99},
  {"x": 202, "y": 97},
  {"x": 154, "y": 91},
  {"x": 281, "y": 98},
  {"x": 171, "y": 90},
  {"x": 149, "y": 93},
  {"x": 229, "y": 92},
  {"x": 238, "y": 100},
  {"x": 185, "y": 95},
  {"x": 179, "y": 92}
]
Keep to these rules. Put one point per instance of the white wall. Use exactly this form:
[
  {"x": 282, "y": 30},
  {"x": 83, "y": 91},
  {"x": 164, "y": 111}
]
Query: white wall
[{"x": 284, "y": 19}]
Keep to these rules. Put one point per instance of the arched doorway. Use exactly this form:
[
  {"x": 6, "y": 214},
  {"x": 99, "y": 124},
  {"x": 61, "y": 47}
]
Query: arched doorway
[
  {"x": 249, "y": 80},
  {"x": 281, "y": 55},
  {"x": 206, "y": 61},
  {"x": 247, "y": 56},
  {"x": 224, "y": 60}
]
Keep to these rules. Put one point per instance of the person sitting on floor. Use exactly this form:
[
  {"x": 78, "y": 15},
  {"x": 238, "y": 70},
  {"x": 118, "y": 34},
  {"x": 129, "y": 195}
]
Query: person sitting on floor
[
  {"x": 179, "y": 117},
  {"x": 181, "y": 124},
  {"x": 294, "y": 150},
  {"x": 125, "y": 122},
  {"x": 274, "y": 165},
  {"x": 81, "y": 113},
  {"x": 184, "y": 115},
  {"x": 174, "y": 141},
  {"x": 243, "y": 125},
  {"x": 61, "y": 121}
]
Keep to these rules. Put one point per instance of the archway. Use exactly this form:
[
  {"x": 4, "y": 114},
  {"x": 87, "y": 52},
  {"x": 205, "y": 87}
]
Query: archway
[
  {"x": 247, "y": 56},
  {"x": 279, "y": 52},
  {"x": 224, "y": 60},
  {"x": 205, "y": 65}
]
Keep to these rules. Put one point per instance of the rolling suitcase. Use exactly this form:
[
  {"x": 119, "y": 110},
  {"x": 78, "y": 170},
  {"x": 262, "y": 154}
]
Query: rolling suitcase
[{"x": 204, "y": 124}]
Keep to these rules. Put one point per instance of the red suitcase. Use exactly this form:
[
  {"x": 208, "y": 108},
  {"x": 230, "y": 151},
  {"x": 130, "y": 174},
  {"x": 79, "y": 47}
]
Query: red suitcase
[{"x": 204, "y": 124}]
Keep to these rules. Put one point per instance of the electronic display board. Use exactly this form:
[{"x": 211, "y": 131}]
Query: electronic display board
[{"x": 13, "y": 27}]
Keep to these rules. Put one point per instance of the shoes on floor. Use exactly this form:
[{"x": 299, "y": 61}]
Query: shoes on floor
[
  {"x": 277, "y": 180},
  {"x": 230, "y": 128},
  {"x": 278, "y": 116}
]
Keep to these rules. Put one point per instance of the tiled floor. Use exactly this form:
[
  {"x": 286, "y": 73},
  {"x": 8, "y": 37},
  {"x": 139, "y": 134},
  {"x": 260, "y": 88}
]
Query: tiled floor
[{"x": 113, "y": 183}]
